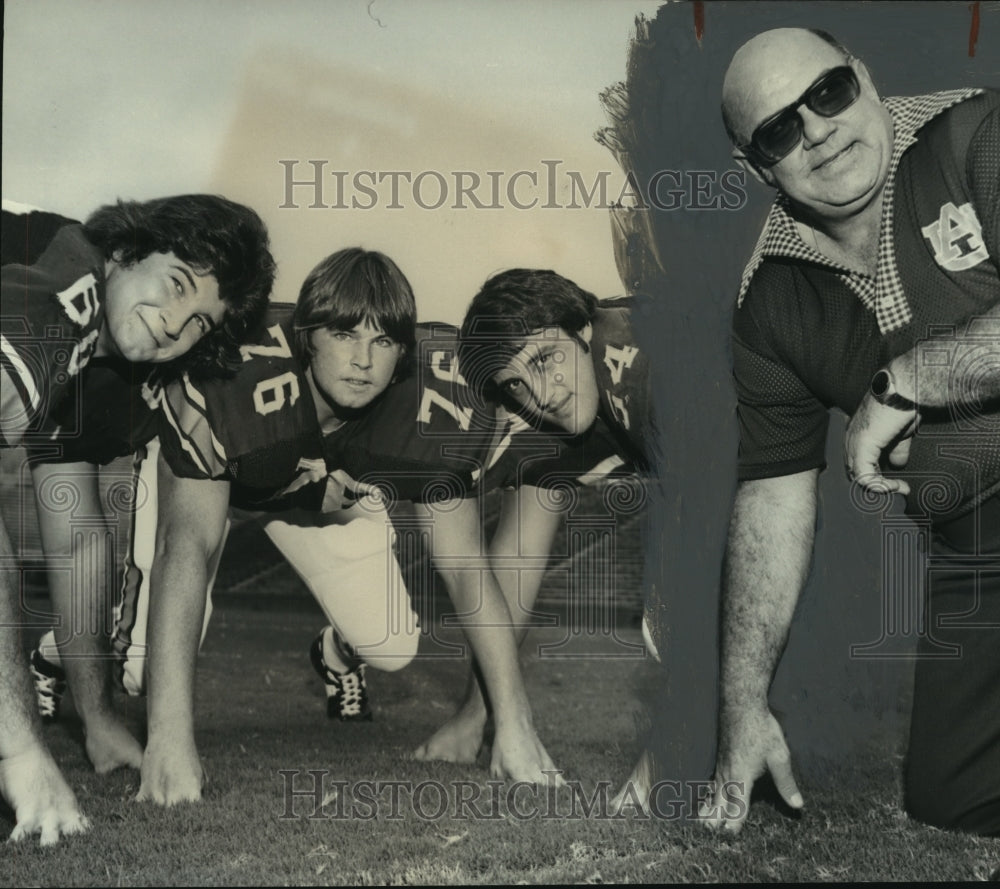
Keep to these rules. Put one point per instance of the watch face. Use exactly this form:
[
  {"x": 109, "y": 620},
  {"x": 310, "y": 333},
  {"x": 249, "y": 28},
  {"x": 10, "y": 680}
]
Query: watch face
[{"x": 881, "y": 383}]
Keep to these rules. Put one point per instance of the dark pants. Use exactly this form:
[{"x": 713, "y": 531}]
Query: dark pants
[{"x": 952, "y": 777}]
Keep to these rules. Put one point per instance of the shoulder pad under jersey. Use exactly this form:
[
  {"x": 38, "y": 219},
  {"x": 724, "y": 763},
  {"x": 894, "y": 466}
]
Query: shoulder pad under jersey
[
  {"x": 623, "y": 377},
  {"x": 50, "y": 317},
  {"x": 224, "y": 428}
]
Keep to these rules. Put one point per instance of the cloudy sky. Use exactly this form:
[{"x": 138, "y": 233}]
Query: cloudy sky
[{"x": 454, "y": 136}]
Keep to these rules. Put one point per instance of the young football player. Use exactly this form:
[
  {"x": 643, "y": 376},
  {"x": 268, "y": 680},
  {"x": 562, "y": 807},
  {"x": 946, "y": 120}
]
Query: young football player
[
  {"x": 566, "y": 370},
  {"x": 174, "y": 282},
  {"x": 339, "y": 394}
]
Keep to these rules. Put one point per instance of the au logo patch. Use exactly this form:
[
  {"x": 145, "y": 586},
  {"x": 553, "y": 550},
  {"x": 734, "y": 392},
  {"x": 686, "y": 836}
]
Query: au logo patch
[{"x": 957, "y": 238}]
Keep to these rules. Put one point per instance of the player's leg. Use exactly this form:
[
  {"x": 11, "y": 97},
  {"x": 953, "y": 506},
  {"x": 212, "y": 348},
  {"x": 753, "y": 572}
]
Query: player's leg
[
  {"x": 952, "y": 776},
  {"x": 346, "y": 560},
  {"x": 519, "y": 550}
]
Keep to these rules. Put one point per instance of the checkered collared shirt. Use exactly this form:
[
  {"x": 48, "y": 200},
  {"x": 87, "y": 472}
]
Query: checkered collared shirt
[{"x": 883, "y": 293}]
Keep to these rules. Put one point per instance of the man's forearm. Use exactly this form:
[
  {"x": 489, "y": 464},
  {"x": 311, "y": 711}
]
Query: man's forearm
[
  {"x": 30, "y": 780},
  {"x": 520, "y": 548},
  {"x": 456, "y": 545},
  {"x": 80, "y": 579},
  {"x": 488, "y": 627},
  {"x": 81, "y": 598},
  {"x": 962, "y": 368},
  {"x": 189, "y": 528},
  {"x": 176, "y": 614},
  {"x": 767, "y": 561},
  {"x": 19, "y": 725}
]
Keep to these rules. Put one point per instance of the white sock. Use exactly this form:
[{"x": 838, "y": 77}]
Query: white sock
[
  {"x": 330, "y": 654},
  {"x": 48, "y": 648}
]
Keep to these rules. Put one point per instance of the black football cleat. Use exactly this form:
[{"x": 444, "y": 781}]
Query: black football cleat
[
  {"x": 347, "y": 692},
  {"x": 50, "y": 685}
]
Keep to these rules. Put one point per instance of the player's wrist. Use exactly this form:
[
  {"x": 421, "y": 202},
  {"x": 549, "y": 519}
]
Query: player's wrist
[
  {"x": 514, "y": 719},
  {"x": 887, "y": 390},
  {"x": 22, "y": 744},
  {"x": 171, "y": 727}
]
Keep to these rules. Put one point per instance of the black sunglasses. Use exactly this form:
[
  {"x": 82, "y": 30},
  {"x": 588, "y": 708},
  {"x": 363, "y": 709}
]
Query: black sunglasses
[{"x": 830, "y": 94}]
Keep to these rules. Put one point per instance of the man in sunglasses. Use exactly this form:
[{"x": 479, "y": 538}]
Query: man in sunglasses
[{"x": 874, "y": 289}]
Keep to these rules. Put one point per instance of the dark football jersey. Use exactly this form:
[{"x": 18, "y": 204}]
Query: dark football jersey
[
  {"x": 109, "y": 391},
  {"x": 620, "y": 440},
  {"x": 425, "y": 438},
  {"x": 51, "y": 314},
  {"x": 109, "y": 416},
  {"x": 623, "y": 380},
  {"x": 26, "y": 232},
  {"x": 259, "y": 429}
]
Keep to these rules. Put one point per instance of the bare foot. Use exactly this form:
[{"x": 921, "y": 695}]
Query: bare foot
[
  {"x": 110, "y": 745},
  {"x": 458, "y": 740}
]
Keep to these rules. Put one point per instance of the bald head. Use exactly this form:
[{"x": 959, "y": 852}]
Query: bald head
[
  {"x": 839, "y": 163},
  {"x": 764, "y": 66}
]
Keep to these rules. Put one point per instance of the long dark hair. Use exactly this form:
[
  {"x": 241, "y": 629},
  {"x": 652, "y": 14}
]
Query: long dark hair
[{"x": 214, "y": 236}]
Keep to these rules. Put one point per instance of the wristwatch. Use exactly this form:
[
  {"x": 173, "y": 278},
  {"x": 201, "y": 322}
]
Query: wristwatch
[{"x": 883, "y": 390}]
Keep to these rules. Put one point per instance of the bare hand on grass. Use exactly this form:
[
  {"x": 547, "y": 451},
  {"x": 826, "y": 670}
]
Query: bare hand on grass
[{"x": 42, "y": 800}]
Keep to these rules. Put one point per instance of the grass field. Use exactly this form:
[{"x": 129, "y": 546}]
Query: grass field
[
  {"x": 382, "y": 818},
  {"x": 261, "y": 712}
]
